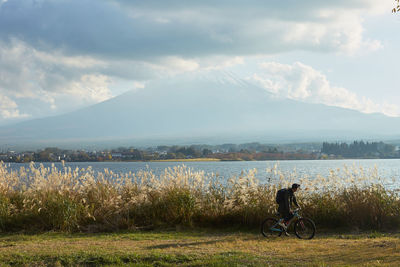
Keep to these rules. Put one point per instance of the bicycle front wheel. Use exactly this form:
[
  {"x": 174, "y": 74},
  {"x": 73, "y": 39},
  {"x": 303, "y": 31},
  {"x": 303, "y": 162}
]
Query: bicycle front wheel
[
  {"x": 270, "y": 227},
  {"x": 304, "y": 228}
]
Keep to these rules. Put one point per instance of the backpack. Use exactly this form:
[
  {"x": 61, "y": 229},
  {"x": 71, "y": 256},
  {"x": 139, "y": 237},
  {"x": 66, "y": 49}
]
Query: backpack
[{"x": 280, "y": 195}]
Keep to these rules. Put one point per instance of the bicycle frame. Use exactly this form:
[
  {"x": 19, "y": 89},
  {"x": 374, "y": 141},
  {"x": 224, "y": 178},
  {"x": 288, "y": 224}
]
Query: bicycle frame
[
  {"x": 296, "y": 216},
  {"x": 304, "y": 228}
]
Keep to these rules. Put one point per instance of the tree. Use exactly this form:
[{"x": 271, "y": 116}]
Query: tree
[
  {"x": 206, "y": 152},
  {"x": 397, "y": 8}
]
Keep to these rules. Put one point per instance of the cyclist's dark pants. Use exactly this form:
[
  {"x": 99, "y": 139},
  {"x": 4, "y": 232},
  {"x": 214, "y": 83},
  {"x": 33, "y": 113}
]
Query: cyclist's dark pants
[{"x": 285, "y": 213}]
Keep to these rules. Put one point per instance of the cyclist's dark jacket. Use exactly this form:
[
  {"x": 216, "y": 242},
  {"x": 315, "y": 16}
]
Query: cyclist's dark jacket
[{"x": 288, "y": 200}]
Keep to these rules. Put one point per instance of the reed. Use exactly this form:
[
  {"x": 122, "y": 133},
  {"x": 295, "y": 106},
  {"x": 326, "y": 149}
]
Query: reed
[{"x": 70, "y": 200}]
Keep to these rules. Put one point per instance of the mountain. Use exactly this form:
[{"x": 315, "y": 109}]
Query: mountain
[{"x": 214, "y": 107}]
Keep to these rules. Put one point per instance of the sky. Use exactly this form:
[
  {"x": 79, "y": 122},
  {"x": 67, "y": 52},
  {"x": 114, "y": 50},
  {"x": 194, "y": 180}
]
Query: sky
[{"x": 57, "y": 56}]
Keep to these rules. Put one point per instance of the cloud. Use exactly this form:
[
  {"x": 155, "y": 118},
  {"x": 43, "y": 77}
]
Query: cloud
[
  {"x": 48, "y": 77},
  {"x": 60, "y": 83},
  {"x": 177, "y": 64},
  {"x": 301, "y": 82},
  {"x": 142, "y": 30},
  {"x": 90, "y": 88},
  {"x": 220, "y": 63},
  {"x": 56, "y": 56},
  {"x": 138, "y": 85},
  {"x": 25, "y": 69},
  {"x": 9, "y": 109}
]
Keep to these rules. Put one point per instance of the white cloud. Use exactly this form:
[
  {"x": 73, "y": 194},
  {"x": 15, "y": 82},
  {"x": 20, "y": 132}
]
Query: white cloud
[
  {"x": 343, "y": 33},
  {"x": 57, "y": 81},
  {"x": 9, "y": 109},
  {"x": 25, "y": 70},
  {"x": 178, "y": 64},
  {"x": 64, "y": 83},
  {"x": 302, "y": 82},
  {"x": 220, "y": 63},
  {"x": 90, "y": 88},
  {"x": 138, "y": 85}
]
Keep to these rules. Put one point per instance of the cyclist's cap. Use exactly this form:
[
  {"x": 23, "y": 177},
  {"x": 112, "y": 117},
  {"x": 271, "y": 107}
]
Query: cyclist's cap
[{"x": 295, "y": 186}]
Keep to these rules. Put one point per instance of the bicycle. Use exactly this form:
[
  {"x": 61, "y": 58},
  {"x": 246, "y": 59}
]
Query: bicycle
[{"x": 304, "y": 228}]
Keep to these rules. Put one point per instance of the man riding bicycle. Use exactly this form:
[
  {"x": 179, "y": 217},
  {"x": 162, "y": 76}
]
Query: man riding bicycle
[
  {"x": 304, "y": 228},
  {"x": 286, "y": 198}
]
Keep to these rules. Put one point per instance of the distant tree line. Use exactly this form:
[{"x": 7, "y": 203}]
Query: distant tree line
[
  {"x": 248, "y": 151},
  {"x": 360, "y": 149},
  {"x": 229, "y": 152}
]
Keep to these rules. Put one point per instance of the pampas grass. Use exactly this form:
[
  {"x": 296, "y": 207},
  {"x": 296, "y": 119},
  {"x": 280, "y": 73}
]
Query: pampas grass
[{"x": 39, "y": 198}]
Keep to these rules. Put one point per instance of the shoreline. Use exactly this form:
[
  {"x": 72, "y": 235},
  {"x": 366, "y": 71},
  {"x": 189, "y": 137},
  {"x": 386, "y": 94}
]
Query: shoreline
[
  {"x": 182, "y": 160},
  {"x": 199, "y": 160}
]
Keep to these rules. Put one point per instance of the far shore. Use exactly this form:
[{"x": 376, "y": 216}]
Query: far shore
[
  {"x": 211, "y": 160},
  {"x": 185, "y": 160}
]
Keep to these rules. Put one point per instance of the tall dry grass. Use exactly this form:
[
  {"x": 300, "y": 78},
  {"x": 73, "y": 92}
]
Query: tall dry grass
[{"x": 39, "y": 198}]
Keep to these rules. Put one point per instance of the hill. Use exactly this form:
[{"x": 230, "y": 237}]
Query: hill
[{"x": 211, "y": 108}]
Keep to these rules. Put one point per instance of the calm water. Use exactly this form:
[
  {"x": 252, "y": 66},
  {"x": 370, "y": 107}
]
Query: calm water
[{"x": 387, "y": 168}]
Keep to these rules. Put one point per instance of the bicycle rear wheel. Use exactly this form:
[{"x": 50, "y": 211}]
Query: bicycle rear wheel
[
  {"x": 304, "y": 228},
  {"x": 270, "y": 227}
]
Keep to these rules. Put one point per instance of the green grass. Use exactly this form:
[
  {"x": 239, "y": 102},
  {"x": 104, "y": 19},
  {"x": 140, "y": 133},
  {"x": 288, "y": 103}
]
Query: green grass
[{"x": 198, "y": 248}]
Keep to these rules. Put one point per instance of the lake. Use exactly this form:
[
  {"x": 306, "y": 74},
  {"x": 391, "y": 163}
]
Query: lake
[{"x": 387, "y": 168}]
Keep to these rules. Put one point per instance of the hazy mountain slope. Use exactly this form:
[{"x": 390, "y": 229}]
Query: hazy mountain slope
[{"x": 201, "y": 108}]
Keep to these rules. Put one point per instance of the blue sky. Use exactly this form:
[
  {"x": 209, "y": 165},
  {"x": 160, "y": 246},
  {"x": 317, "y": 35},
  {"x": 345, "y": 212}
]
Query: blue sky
[{"x": 57, "y": 56}]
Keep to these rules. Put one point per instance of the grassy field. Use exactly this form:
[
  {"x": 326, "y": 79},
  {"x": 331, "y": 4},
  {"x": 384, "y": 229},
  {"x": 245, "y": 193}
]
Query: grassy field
[
  {"x": 70, "y": 205},
  {"x": 197, "y": 248}
]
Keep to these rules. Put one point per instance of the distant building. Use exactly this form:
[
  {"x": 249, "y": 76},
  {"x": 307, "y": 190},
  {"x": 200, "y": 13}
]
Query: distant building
[{"x": 116, "y": 155}]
